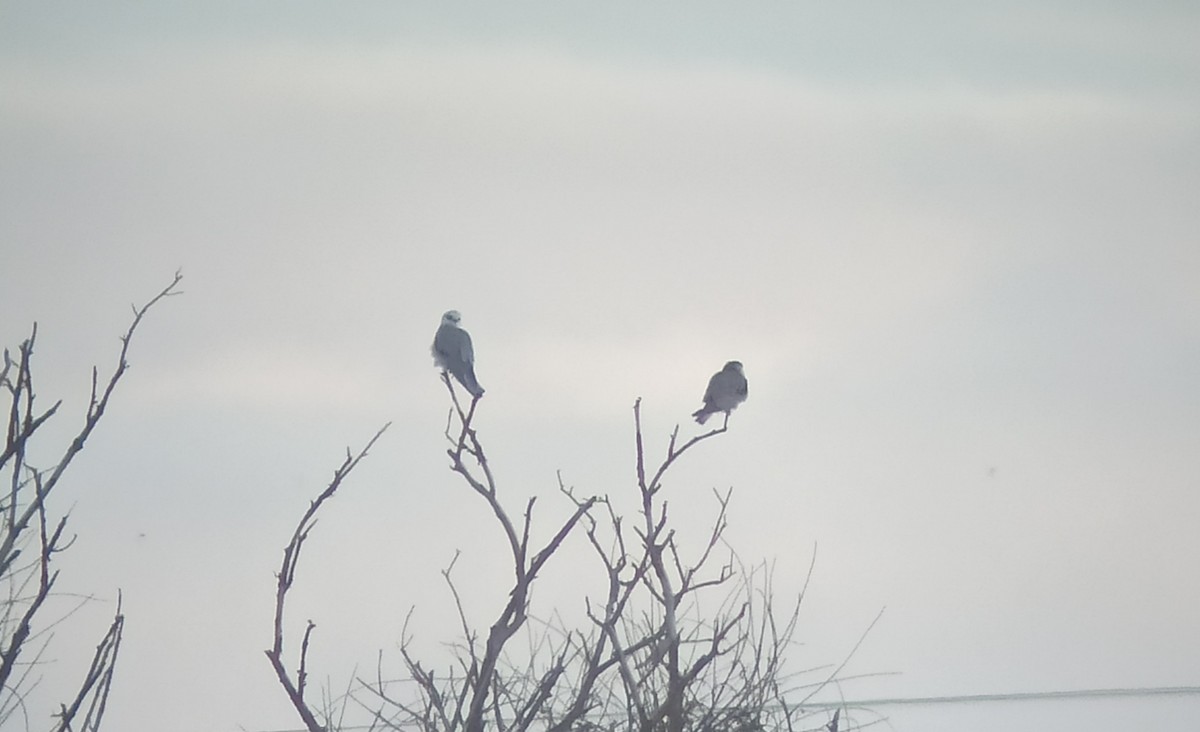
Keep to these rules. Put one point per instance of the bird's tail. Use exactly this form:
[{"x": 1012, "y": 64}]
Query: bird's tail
[
  {"x": 472, "y": 384},
  {"x": 701, "y": 415}
]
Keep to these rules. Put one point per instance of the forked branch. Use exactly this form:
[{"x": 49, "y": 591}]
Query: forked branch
[
  {"x": 92, "y": 698},
  {"x": 468, "y": 459},
  {"x": 24, "y": 510},
  {"x": 295, "y": 688}
]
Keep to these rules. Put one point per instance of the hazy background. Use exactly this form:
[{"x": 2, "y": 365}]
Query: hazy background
[{"x": 956, "y": 248}]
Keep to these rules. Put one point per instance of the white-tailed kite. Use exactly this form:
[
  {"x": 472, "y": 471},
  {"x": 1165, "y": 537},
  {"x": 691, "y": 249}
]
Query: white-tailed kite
[
  {"x": 726, "y": 390},
  {"x": 452, "y": 352}
]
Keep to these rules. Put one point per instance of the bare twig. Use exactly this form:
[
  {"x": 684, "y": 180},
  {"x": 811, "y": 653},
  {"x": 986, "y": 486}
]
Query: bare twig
[
  {"x": 97, "y": 683},
  {"x": 95, "y": 411},
  {"x": 286, "y": 576},
  {"x": 651, "y": 659},
  {"x": 483, "y": 693},
  {"x": 25, "y": 504}
]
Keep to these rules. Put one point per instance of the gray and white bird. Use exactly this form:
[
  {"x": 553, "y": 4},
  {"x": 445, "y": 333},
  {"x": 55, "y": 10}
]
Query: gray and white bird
[
  {"x": 726, "y": 390},
  {"x": 452, "y": 352}
]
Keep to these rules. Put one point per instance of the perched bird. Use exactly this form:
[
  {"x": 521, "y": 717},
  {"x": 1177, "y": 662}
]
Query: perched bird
[
  {"x": 452, "y": 352},
  {"x": 726, "y": 390}
]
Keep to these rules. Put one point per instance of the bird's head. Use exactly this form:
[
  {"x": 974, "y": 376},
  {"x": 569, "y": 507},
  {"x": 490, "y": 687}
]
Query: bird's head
[
  {"x": 451, "y": 317},
  {"x": 734, "y": 366}
]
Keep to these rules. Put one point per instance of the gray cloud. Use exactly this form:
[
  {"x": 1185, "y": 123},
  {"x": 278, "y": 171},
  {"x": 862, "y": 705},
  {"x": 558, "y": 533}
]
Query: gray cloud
[{"x": 934, "y": 256}]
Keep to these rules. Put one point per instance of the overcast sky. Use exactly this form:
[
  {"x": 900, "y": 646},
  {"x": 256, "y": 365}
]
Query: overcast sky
[{"x": 957, "y": 248}]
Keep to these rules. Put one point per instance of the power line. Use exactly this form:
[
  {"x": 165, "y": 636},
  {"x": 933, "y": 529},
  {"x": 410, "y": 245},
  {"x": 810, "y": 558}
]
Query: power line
[
  {"x": 1015, "y": 696},
  {"x": 962, "y": 698}
]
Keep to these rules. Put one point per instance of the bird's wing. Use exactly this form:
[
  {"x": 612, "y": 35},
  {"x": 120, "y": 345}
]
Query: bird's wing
[
  {"x": 437, "y": 349},
  {"x": 466, "y": 351},
  {"x": 728, "y": 382},
  {"x": 714, "y": 387},
  {"x": 440, "y": 342},
  {"x": 727, "y": 389},
  {"x": 452, "y": 347}
]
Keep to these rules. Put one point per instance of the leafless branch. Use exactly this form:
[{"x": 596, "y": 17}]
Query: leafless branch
[
  {"x": 97, "y": 683},
  {"x": 653, "y": 659},
  {"x": 25, "y": 506},
  {"x": 286, "y": 576}
]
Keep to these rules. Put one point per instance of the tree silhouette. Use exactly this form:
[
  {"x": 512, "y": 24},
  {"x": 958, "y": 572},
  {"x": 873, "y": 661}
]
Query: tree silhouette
[
  {"x": 650, "y": 658},
  {"x": 31, "y": 536}
]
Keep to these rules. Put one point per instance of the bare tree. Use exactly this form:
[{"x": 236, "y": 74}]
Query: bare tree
[
  {"x": 658, "y": 660},
  {"x": 30, "y": 537},
  {"x": 672, "y": 642},
  {"x": 478, "y": 690}
]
